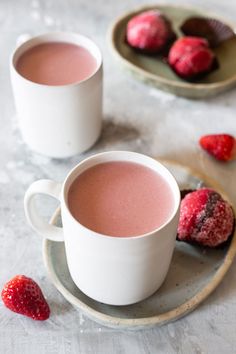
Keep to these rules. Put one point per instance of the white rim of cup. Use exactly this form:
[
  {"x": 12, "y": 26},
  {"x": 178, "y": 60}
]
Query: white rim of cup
[
  {"x": 175, "y": 190},
  {"x": 42, "y": 39}
]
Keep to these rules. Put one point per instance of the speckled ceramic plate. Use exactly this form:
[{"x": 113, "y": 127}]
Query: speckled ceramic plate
[
  {"x": 194, "y": 273},
  {"x": 158, "y": 74}
]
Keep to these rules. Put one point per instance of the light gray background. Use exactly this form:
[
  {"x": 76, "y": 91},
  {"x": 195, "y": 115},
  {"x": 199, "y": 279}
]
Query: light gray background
[{"x": 138, "y": 118}]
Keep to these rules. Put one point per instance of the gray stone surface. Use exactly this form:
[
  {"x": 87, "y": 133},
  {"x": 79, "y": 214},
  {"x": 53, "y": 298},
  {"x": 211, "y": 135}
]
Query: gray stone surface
[{"x": 137, "y": 118}]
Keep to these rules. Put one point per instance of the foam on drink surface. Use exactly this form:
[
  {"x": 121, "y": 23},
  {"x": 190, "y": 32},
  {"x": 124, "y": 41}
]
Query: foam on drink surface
[
  {"x": 121, "y": 199},
  {"x": 56, "y": 63}
]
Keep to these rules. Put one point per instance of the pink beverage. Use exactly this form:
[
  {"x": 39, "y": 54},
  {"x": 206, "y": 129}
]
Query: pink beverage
[
  {"x": 121, "y": 199},
  {"x": 56, "y": 63}
]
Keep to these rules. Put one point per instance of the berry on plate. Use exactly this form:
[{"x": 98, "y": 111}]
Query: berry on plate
[
  {"x": 221, "y": 146},
  {"x": 149, "y": 32},
  {"x": 23, "y": 295},
  {"x": 191, "y": 58},
  {"x": 205, "y": 218}
]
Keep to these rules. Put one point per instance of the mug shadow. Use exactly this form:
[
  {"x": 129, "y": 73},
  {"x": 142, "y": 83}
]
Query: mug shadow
[
  {"x": 114, "y": 136},
  {"x": 116, "y": 133}
]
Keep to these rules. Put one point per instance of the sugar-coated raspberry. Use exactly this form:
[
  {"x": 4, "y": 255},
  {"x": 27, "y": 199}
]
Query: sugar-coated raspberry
[
  {"x": 205, "y": 218},
  {"x": 149, "y": 31},
  {"x": 191, "y": 57}
]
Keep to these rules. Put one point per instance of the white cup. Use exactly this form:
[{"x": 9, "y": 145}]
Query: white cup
[
  {"x": 59, "y": 121},
  {"x": 112, "y": 270}
]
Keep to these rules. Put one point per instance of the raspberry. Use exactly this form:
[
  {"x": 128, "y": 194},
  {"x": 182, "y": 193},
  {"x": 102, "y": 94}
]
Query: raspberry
[
  {"x": 149, "y": 32},
  {"x": 205, "y": 218},
  {"x": 191, "y": 57}
]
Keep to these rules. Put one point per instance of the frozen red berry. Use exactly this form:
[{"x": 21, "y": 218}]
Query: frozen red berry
[
  {"x": 205, "y": 218},
  {"x": 221, "y": 146},
  {"x": 191, "y": 57},
  {"x": 150, "y": 32},
  {"x": 23, "y": 295}
]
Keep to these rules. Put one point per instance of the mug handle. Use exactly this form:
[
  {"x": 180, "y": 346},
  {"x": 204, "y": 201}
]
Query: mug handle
[{"x": 47, "y": 187}]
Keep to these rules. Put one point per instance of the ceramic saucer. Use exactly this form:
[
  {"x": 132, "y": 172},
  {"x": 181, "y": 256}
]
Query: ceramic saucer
[
  {"x": 194, "y": 273},
  {"x": 155, "y": 72}
]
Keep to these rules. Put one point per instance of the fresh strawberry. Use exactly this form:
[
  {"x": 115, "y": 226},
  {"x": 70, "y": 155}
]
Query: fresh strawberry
[
  {"x": 22, "y": 295},
  {"x": 221, "y": 146}
]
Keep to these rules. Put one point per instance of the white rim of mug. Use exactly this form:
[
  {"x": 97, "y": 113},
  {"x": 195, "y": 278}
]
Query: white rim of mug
[
  {"x": 173, "y": 186},
  {"x": 42, "y": 38}
]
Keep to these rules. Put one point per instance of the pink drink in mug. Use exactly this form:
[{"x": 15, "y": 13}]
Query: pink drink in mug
[
  {"x": 56, "y": 63},
  {"x": 120, "y": 199}
]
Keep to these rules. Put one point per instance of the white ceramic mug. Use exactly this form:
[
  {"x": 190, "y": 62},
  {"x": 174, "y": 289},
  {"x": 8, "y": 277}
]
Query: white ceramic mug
[
  {"x": 59, "y": 121},
  {"x": 112, "y": 270}
]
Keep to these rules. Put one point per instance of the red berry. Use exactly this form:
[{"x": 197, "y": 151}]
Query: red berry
[
  {"x": 149, "y": 31},
  {"x": 205, "y": 218},
  {"x": 191, "y": 57},
  {"x": 221, "y": 146},
  {"x": 22, "y": 295}
]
